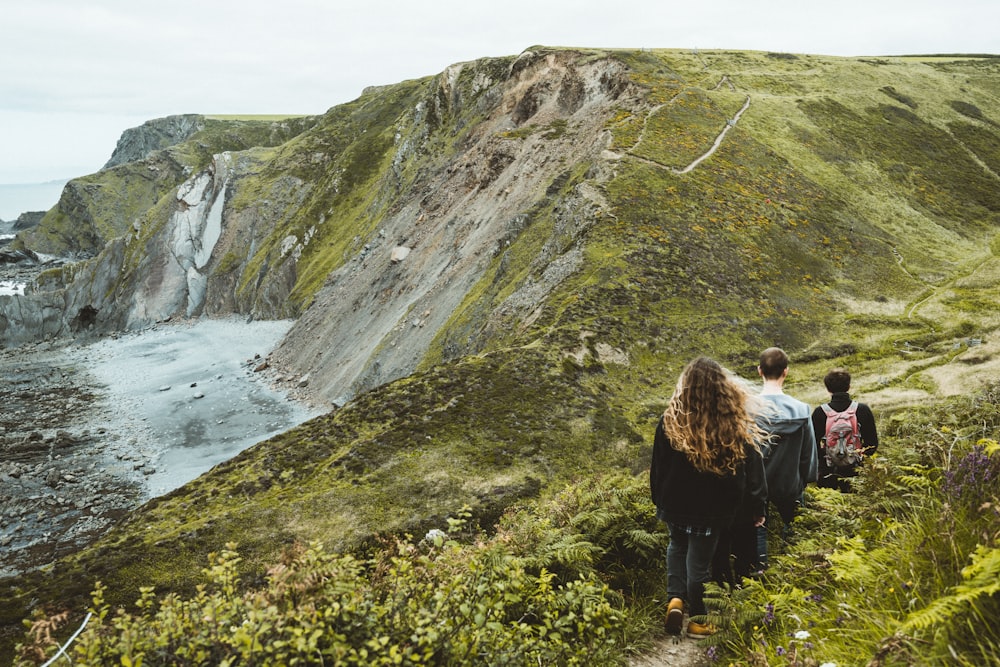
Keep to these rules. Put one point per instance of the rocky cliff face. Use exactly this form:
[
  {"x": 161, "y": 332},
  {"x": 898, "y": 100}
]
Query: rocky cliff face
[
  {"x": 453, "y": 197},
  {"x": 379, "y": 314},
  {"x": 138, "y": 143},
  {"x": 27, "y": 220},
  {"x": 134, "y": 233},
  {"x": 90, "y": 296}
]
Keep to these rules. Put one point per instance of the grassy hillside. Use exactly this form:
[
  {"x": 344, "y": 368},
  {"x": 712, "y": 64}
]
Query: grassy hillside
[{"x": 848, "y": 215}]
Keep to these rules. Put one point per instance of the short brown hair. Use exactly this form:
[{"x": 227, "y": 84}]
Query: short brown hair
[
  {"x": 773, "y": 362},
  {"x": 837, "y": 380}
]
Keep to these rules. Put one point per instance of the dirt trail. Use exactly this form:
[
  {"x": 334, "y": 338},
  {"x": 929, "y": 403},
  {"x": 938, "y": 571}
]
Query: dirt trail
[
  {"x": 731, "y": 123},
  {"x": 681, "y": 651},
  {"x": 674, "y": 652},
  {"x": 718, "y": 140}
]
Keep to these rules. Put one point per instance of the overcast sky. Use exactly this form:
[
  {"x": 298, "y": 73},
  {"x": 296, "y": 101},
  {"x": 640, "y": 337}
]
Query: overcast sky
[{"x": 74, "y": 74}]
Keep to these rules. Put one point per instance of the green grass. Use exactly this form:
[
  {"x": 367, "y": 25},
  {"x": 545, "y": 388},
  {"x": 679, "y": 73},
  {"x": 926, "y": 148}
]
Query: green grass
[
  {"x": 255, "y": 117},
  {"x": 847, "y": 217},
  {"x": 843, "y": 579}
]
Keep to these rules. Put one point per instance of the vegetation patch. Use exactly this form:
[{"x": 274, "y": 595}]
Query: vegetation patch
[
  {"x": 899, "y": 97},
  {"x": 683, "y": 129},
  {"x": 982, "y": 141},
  {"x": 840, "y": 592}
]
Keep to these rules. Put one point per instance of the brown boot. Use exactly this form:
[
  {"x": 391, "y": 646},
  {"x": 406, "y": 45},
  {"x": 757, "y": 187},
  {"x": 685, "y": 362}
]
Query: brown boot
[
  {"x": 675, "y": 616},
  {"x": 700, "y": 630}
]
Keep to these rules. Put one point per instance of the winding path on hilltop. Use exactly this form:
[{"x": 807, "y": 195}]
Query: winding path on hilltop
[
  {"x": 718, "y": 140},
  {"x": 731, "y": 123}
]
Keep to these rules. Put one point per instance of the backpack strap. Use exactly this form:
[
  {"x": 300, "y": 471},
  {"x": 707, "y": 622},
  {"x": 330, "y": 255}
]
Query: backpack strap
[{"x": 829, "y": 413}]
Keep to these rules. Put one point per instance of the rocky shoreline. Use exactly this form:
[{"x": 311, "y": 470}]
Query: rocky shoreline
[
  {"x": 64, "y": 477},
  {"x": 63, "y": 481},
  {"x": 92, "y": 428},
  {"x": 89, "y": 431}
]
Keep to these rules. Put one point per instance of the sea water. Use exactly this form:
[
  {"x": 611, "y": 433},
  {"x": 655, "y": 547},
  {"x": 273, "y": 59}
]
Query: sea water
[
  {"x": 19, "y": 198},
  {"x": 192, "y": 389}
]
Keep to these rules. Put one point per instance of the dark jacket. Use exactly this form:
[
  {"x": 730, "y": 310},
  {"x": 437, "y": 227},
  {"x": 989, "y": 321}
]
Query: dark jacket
[
  {"x": 790, "y": 459},
  {"x": 840, "y": 401},
  {"x": 686, "y": 496}
]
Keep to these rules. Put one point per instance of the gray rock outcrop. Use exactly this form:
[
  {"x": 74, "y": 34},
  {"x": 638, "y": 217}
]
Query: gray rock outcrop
[
  {"x": 27, "y": 220},
  {"x": 174, "y": 279},
  {"x": 138, "y": 142},
  {"x": 170, "y": 277}
]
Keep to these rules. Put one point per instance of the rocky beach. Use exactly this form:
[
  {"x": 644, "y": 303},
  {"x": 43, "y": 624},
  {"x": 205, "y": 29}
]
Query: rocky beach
[
  {"x": 90, "y": 431},
  {"x": 91, "y": 428},
  {"x": 56, "y": 490}
]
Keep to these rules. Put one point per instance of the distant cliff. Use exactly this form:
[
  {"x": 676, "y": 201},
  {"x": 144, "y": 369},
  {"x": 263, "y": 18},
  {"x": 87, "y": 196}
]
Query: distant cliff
[
  {"x": 138, "y": 143},
  {"x": 142, "y": 199}
]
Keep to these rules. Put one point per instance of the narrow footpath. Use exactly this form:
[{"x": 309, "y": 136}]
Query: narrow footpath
[{"x": 674, "y": 652}]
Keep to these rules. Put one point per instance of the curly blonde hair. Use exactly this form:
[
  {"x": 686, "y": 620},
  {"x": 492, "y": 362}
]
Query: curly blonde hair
[{"x": 710, "y": 418}]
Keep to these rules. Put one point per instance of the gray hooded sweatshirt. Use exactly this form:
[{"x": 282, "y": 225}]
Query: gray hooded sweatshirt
[{"x": 790, "y": 459}]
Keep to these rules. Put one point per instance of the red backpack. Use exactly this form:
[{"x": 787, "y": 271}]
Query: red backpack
[{"x": 842, "y": 442}]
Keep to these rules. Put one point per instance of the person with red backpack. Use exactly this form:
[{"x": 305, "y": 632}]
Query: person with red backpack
[{"x": 845, "y": 433}]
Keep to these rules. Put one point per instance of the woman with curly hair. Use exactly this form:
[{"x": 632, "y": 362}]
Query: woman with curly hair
[{"x": 706, "y": 469}]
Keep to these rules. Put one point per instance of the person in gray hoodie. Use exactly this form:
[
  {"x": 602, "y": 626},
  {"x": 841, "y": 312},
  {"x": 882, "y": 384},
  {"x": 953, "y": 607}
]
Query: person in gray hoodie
[{"x": 790, "y": 459}]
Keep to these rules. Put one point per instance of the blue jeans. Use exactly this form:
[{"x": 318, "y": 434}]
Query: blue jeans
[
  {"x": 689, "y": 566},
  {"x": 787, "y": 512},
  {"x": 762, "y": 546}
]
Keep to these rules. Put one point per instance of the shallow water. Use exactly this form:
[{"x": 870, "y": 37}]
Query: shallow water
[
  {"x": 190, "y": 394},
  {"x": 89, "y": 432}
]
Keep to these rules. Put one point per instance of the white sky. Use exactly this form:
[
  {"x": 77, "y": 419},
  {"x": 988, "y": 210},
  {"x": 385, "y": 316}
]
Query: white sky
[{"x": 75, "y": 73}]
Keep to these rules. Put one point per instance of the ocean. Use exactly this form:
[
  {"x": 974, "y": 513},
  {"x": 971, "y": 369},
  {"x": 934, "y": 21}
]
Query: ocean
[{"x": 19, "y": 198}]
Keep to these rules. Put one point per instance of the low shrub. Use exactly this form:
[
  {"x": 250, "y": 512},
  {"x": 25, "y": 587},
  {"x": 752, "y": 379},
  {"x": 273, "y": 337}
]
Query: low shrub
[{"x": 449, "y": 598}]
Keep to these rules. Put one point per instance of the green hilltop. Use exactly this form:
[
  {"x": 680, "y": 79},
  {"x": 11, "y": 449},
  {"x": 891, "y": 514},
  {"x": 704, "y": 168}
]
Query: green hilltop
[{"x": 848, "y": 214}]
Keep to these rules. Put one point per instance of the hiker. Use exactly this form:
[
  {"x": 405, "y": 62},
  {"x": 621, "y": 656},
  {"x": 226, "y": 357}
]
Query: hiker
[
  {"x": 790, "y": 461},
  {"x": 831, "y": 475},
  {"x": 705, "y": 462}
]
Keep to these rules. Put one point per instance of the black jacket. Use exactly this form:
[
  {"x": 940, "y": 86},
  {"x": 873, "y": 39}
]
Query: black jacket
[
  {"x": 840, "y": 401},
  {"x": 686, "y": 496}
]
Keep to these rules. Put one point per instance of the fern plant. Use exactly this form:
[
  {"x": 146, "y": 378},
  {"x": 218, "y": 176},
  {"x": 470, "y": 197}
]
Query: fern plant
[
  {"x": 980, "y": 579},
  {"x": 902, "y": 571},
  {"x": 605, "y": 525}
]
